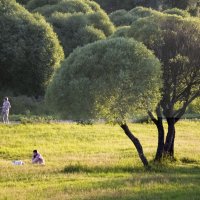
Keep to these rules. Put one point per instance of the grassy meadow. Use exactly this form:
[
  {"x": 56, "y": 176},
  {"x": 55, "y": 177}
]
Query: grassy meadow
[{"x": 96, "y": 162}]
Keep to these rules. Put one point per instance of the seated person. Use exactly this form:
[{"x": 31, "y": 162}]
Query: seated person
[{"x": 37, "y": 158}]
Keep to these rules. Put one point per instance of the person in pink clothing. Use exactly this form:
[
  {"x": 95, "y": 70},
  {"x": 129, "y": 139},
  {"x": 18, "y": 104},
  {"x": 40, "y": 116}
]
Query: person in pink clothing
[{"x": 37, "y": 158}]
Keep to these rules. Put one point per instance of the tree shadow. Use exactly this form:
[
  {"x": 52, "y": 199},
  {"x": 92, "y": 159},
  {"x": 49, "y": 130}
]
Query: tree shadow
[
  {"x": 155, "y": 168},
  {"x": 182, "y": 193},
  {"x": 159, "y": 183},
  {"x": 79, "y": 168}
]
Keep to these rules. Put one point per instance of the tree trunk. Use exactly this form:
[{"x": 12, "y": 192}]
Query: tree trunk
[
  {"x": 171, "y": 150},
  {"x": 137, "y": 144},
  {"x": 161, "y": 132},
  {"x": 169, "y": 143},
  {"x": 161, "y": 135}
]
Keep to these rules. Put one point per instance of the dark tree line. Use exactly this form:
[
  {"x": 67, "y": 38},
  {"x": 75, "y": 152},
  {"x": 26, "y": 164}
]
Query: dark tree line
[
  {"x": 29, "y": 50},
  {"x": 113, "y": 5}
]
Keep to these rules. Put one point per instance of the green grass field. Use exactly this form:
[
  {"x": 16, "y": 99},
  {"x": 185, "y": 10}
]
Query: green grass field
[{"x": 96, "y": 162}]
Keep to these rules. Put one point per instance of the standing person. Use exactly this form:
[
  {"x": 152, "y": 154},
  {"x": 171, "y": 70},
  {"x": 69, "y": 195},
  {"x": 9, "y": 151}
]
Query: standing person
[
  {"x": 5, "y": 110},
  {"x": 37, "y": 158}
]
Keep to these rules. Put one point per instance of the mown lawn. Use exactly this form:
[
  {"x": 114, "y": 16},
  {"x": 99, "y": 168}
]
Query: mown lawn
[{"x": 96, "y": 162}]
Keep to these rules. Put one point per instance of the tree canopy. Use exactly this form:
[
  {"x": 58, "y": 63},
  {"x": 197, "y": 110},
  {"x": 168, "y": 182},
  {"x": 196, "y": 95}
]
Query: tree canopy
[
  {"x": 184, "y": 4},
  {"x": 176, "y": 42},
  {"x": 192, "y": 6},
  {"x": 77, "y": 22},
  {"x": 112, "y": 5},
  {"x": 29, "y": 50},
  {"x": 176, "y": 11},
  {"x": 23, "y": 2},
  {"x": 92, "y": 81},
  {"x": 47, "y": 8},
  {"x": 33, "y": 4},
  {"x": 126, "y": 18}
]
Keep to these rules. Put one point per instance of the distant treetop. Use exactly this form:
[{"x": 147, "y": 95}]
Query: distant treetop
[
  {"x": 77, "y": 22},
  {"x": 126, "y": 18}
]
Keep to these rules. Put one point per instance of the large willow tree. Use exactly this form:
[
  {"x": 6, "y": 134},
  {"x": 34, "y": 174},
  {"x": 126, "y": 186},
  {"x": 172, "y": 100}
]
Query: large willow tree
[{"x": 110, "y": 79}]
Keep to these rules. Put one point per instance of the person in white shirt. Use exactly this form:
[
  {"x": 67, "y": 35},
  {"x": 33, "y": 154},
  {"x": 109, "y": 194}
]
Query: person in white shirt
[{"x": 5, "y": 110}]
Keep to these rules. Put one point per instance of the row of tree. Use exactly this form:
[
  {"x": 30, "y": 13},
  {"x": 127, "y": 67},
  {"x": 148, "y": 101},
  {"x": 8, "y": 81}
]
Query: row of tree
[
  {"x": 149, "y": 63},
  {"x": 113, "y": 5},
  {"x": 114, "y": 78},
  {"x": 31, "y": 49}
]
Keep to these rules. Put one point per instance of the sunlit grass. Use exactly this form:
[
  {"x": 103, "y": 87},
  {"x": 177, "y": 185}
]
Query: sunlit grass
[{"x": 96, "y": 162}]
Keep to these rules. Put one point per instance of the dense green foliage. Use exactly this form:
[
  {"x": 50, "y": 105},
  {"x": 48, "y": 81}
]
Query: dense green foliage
[
  {"x": 195, "y": 106},
  {"x": 125, "y": 18},
  {"x": 33, "y": 4},
  {"x": 176, "y": 43},
  {"x": 23, "y": 2},
  {"x": 176, "y": 11},
  {"x": 140, "y": 12},
  {"x": 112, "y": 5},
  {"x": 192, "y": 6},
  {"x": 95, "y": 162},
  {"x": 105, "y": 78},
  {"x": 77, "y": 22},
  {"x": 121, "y": 18},
  {"x": 184, "y": 4},
  {"x": 47, "y": 8},
  {"x": 79, "y": 29},
  {"x": 29, "y": 50},
  {"x": 121, "y": 31}
]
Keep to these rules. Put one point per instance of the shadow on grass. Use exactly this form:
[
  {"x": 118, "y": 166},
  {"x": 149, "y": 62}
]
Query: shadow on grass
[
  {"x": 171, "y": 182},
  {"x": 188, "y": 160},
  {"x": 78, "y": 168},
  {"x": 181, "y": 193},
  {"x": 155, "y": 168}
]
